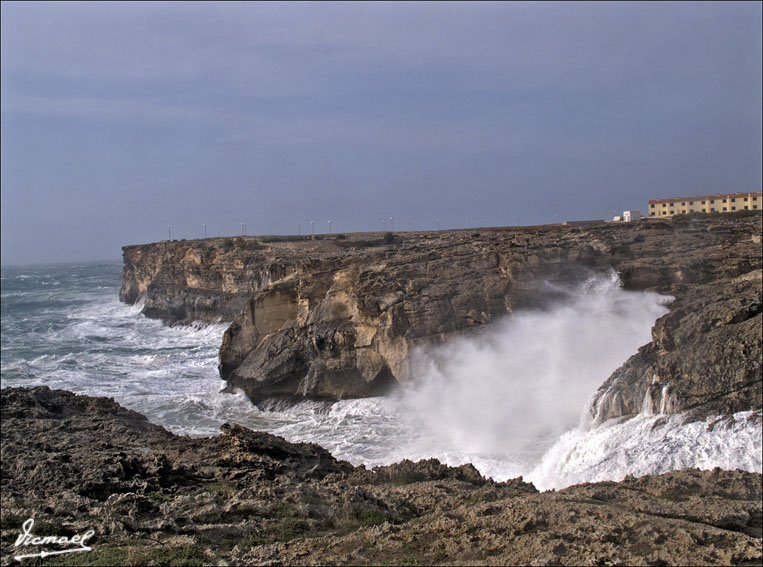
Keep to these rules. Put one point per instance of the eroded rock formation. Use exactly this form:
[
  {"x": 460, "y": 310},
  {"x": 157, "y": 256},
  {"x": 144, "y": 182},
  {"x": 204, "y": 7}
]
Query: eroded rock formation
[
  {"x": 339, "y": 316},
  {"x": 75, "y": 463}
]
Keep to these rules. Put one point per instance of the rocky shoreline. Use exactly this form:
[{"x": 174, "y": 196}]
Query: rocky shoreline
[
  {"x": 339, "y": 316},
  {"x": 75, "y": 463}
]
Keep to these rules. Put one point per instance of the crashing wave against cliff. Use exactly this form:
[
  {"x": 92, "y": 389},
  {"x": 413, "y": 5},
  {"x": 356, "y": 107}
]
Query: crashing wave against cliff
[{"x": 336, "y": 318}]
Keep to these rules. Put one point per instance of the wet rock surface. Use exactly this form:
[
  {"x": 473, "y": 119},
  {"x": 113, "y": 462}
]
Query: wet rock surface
[
  {"x": 705, "y": 356},
  {"x": 75, "y": 463}
]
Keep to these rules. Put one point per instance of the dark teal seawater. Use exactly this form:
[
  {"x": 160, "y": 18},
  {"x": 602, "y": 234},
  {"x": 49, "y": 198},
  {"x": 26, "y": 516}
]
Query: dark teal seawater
[
  {"x": 502, "y": 402},
  {"x": 63, "y": 326}
]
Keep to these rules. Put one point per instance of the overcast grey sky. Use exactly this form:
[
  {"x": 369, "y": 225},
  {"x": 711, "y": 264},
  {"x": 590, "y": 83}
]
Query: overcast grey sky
[{"x": 120, "y": 119}]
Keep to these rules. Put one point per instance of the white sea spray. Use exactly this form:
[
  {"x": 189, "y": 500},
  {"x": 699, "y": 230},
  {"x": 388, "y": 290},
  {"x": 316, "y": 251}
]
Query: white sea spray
[{"x": 509, "y": 400}]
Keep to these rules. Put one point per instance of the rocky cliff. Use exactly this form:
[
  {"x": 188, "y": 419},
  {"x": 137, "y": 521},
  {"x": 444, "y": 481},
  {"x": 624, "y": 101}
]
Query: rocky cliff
[
  {"x": 339, "y": 316},
  {"x": 74, "y": 463}
]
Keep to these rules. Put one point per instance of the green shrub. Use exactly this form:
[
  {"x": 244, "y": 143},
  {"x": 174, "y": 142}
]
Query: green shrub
[{"x": 250, "y": 245}]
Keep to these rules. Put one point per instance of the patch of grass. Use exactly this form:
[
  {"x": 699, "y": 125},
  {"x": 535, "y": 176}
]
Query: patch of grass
[
  {"x": 158, "y": 498},
  {"x": 372, "y": 517},
  {"x": 285, "y": 238},
  {"x": 189, "y": 555},
  {"x": 101, "y": 555},
  {"x": 250, "y": 245},
  {"x": 479, "y": 496},
  {"x": 218, "y": 489},
  {"x": 289, "y": 528}
]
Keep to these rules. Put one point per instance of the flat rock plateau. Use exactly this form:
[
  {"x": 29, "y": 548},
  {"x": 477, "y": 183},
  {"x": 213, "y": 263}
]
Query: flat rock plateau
[
  {"x": 76, "y": 463},
  {"x": 338, "y": 316}
]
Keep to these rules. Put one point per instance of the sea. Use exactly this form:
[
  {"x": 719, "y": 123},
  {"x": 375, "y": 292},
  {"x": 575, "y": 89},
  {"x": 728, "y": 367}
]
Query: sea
[{"x": 512, "y": 399}]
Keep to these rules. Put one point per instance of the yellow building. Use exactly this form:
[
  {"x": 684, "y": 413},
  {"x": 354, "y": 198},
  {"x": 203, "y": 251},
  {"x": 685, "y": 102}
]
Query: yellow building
[{"x": 727, "y": 203}]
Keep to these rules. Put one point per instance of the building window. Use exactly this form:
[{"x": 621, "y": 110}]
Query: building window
[
  {"x": 684, "y": 211},
  {"x": 733, "y": 200},
  {"x": 733, "y": 208},
  {"x": 691, "y": 203},
  {"x": 703, "y": 202},
  {"x": 724, "y": 201},
  {"x": 724, "y": 208},
  {"x": 712, "y": 209},
  {"x": 755, "y": 206},
  {"x": 664, "y": 204},
  {"x": 712, "y": 201},
  {"x": 746, "y": 208},
  {"x": 651, "y": 206},
  {"x": 745, "y": 198}
]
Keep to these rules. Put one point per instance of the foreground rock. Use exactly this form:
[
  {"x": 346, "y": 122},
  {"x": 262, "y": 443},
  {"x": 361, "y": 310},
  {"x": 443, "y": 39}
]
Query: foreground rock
[
  {"x": 75, "y": 463},
  {"x": 340, "y": 316}
]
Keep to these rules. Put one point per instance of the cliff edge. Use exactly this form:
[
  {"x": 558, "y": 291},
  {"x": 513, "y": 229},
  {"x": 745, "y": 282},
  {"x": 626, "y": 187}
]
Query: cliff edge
[{"x": 338, "y": 316}]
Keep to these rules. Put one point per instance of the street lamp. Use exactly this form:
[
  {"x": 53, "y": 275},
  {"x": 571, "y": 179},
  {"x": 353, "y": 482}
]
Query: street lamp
[
  {"x": 205, "y": 230},
  {"x": 242, "y": 228},
  {"x": 299, "y": 228},
  {"x": 391, "y": 225},
  {"x": 312, "y": 224},
  {"x": 329, "y": 227},
  {"x": 438, "y": 224},
  {"x": 169, "y": 232},
  {"x": 384, "y": 226}
]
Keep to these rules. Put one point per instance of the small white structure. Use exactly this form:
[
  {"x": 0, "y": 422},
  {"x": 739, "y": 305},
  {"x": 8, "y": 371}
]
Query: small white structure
[
  {"x": 618, "y": 218},
  {"x": 631, "y": 216}
]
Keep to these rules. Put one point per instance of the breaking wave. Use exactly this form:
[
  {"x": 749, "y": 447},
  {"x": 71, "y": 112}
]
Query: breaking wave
[{"x": 509, "y": 399}]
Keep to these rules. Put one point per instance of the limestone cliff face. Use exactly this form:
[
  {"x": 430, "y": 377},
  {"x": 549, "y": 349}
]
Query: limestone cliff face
[
  {"x": 705, "y": 356},
  {"x": 202, "y": 280},
  {"x": 339, "y": 317}
]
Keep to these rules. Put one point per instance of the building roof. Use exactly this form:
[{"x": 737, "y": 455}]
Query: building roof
[{"x": 706, "y": 197}]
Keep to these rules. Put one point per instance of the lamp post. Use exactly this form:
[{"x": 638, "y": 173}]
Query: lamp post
[
  {"x": 312, "y": 224},
  {"x": 242, "y": 228},
  {"x": 384, "y": 226},
  {"x": 438, "y": 224},
  {"x": 205, "y": 230},
  {"x": 299, "y": 228},
  {"x": 519, "y": 221},
  {"x": 329, "y": 227},
  {"x": 169, "y": 232},
  {"x": 391, "y": 225}
]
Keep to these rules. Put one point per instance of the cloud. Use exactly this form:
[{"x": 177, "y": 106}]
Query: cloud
[{"x": 479, "y": 107}]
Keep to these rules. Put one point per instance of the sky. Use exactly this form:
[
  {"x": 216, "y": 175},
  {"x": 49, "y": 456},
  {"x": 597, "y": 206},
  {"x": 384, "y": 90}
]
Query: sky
[{"x": 121, "y": 119}]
